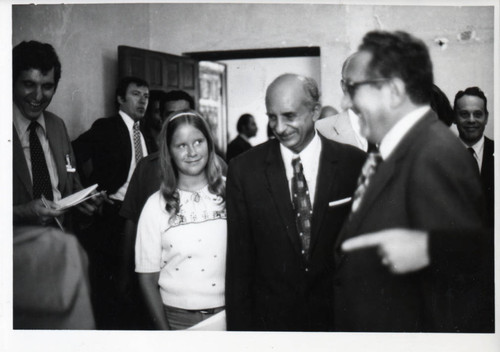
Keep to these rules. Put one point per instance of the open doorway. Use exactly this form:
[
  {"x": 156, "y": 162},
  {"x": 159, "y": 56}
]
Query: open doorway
[{"x": 249, "y": 72}]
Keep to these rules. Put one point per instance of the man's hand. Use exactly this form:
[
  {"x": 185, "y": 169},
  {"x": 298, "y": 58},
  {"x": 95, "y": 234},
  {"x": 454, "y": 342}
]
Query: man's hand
[
  {"x": 402, "y": 250},
  {"x": 34, "y": 212},
  {"x": 91, "y": 206}
]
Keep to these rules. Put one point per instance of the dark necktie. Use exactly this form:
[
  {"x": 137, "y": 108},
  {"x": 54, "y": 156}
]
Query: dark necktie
[
  {"x": 473, "y": 154},
  {"x": 39, "y": 170},
  {"x": 137, "y": 142},
  {"x": 369, "y": 168},
  {"x": 302, "y": 205}
]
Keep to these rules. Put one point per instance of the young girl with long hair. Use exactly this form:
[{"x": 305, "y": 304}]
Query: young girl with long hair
[{"x": 180, "y": 249}]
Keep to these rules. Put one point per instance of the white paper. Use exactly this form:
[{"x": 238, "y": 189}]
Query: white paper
[
  {"x": 216, "y": 322},
  {"x": 75, "y": 198}
]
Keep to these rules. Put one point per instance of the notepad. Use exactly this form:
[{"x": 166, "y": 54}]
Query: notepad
[{"x": 76, "y": 198}]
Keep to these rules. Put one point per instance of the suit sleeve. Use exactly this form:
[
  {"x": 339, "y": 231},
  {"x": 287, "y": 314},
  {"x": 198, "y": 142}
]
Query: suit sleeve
[
  {"x": 460, "y": 249},
  {"x": 240, "y": 256},
  {"x": 445, "y": 192}
]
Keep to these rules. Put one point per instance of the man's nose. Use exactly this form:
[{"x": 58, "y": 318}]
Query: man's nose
[
  {"x": 280, "y": 126},
  {"x": 38, "y": 93}
]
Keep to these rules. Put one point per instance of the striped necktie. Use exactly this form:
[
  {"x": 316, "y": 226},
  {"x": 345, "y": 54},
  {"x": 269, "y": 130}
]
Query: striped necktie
[{"x": 137, "y": 142}]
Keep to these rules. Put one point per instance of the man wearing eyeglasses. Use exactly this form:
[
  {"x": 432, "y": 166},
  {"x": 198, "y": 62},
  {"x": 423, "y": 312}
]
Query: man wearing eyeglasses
[{"x": 420, "y": 178}]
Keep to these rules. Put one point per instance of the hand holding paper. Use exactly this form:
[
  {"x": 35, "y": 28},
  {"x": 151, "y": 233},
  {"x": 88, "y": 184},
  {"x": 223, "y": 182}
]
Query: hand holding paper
[{"x": 402, "y": 250}]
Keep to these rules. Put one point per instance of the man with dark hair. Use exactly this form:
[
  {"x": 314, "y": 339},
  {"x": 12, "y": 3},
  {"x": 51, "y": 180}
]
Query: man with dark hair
[
  {"x": 113, "y": 146},
  {"x": 247, "y": 128},
  {"x": 43, "y": 167},
  {"x": 281, "y": 227},
  {"x": 177, "y": 100},
  {"x": 471, "y": 117},
  {"x": 154, "y": 115},
  {"x": 421, "y": 178}
]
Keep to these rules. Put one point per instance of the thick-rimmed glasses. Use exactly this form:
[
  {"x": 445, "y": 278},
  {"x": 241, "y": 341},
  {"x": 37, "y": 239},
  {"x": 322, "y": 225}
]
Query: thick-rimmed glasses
[{"x": 351, "y": 87}]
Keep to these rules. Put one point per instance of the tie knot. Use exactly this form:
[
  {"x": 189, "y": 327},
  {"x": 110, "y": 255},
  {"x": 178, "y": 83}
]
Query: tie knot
[
  {"x": 375, "y": 157},
  {"x": 136, "y": 126},
  {"x": 471, "y": 150},
  {"x": 297, "y": 165},
  {"x": 33, "y": 126}
]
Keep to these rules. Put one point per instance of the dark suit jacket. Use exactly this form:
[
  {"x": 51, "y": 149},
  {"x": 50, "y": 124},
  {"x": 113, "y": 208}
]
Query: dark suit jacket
[
  {"x": 236, "y": 147},
  {"x": 488, "y": 179},
  {"x": 269, "y": 286},
  {"x": 60, "y": 146},
  {"x": 428, "y": 182},
  {"x": 107, "y": 144}
]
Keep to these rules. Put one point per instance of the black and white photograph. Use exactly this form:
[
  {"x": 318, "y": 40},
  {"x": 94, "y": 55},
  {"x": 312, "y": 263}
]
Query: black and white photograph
[{"x": 250, "y": 176}]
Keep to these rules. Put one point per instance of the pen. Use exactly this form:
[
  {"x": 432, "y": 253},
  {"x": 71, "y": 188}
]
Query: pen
[{"x": 44, "y": 201}]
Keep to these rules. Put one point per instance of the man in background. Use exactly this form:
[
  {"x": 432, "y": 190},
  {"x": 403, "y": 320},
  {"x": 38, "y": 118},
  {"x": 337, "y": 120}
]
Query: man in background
[
  {"x": 327, "y": 110},
  {"x": 154, "y": 116},
  {"x": 286, "y": 201},
  {"x": 247, "y": 128},
  {"x": 422, "y": 179},
  {"x": 50, "y": 287},
  {"x": 471, "y": 117},
  {"x": 113, "y": 146}
]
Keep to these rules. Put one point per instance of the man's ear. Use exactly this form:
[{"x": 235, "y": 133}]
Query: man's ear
[
  {"x": 398, "y": 92},
  {"x": 120, "y": 100},
  {"x": 316, "y": 111}
]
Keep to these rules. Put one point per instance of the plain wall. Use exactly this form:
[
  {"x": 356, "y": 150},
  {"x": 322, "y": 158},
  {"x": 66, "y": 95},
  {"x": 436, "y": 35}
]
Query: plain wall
[{"x": 86, "y": 38}]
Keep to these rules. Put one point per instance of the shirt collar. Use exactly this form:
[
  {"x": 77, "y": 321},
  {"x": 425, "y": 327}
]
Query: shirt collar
[
  {"x": 127, "y": 119},
  {"x": 478, "y": 146},
  {"x": 245, "y": 138},
  {"x": 309, "y": 153},
  {"x": 399, "y": 130},
  {"x": 22, "y": 123}
]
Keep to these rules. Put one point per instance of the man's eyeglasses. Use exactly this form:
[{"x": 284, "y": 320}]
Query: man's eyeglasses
[{"x": 351, "y": 87}]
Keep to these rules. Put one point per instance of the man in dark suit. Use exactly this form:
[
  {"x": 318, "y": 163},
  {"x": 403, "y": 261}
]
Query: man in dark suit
[
  {"x": 43, "y": 166},
  {"x": 113, "y": 146},
  {"x": 471, "y": 117},
  {"x": 420, "y": 179},
  {"x": 281, "y": 229},
  {"x": 247, "y": 128}
]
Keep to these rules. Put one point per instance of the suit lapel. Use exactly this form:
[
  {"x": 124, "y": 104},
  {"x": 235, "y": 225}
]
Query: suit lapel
[
  {"x": 57, "y": 148},
  {"x": 326, "y": 189},
  {"x": 487, "y": 153},
  {"x": 277, "y": 184},
  {"x": 384, "y": 175},
  {"x": 124, "y": 139},
  {"x": 19, "y": 162}
]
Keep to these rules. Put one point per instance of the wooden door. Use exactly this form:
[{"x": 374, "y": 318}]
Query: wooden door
[{"x": 161, "y": 70}]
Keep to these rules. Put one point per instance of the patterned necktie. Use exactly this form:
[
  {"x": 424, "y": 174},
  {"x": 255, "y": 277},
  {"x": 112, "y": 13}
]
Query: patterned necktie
[
  {"x": 39, "y": 170},
  {"x": 369, "y": 168},
  {"x": 302, "y": 205},
  {"x": 137, "y": 142}
]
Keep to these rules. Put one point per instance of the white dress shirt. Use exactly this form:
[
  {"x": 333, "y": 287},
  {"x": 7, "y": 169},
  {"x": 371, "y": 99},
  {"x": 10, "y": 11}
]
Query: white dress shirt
[
  {"x": 399, "y": 130},
  {"x": 309, "y": 158},
  {"x": 129, "y": 122}
]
